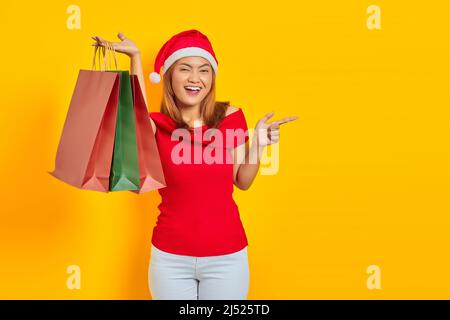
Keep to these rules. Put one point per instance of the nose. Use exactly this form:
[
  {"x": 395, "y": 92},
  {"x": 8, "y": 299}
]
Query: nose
[{"x": 194, "y": 76}]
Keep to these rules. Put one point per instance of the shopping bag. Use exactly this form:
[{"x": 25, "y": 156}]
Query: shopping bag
[
  {"x": 125, "y": 168},
  {"x": 86, "y": 144},
  {"x": 150, "y": 169},
  {"x": 103, "y": 149}
]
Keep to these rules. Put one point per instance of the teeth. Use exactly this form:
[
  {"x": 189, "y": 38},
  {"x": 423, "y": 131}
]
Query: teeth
[{"x": 193, "y": 88}]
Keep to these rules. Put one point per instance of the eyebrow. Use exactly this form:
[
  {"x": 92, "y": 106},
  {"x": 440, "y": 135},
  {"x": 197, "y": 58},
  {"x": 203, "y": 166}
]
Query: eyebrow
[{"x": 206, "y": 64}]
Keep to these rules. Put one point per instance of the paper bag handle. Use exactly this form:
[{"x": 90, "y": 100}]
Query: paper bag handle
[{"x": 106, "y": 49}]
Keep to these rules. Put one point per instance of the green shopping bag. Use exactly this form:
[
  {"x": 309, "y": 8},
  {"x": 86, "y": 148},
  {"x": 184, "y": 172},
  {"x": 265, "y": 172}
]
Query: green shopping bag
[{"x": 125, "y": 168}]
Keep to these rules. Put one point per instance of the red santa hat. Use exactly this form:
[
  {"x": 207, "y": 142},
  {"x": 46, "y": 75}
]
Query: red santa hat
[{"x": 184, "y": 44}]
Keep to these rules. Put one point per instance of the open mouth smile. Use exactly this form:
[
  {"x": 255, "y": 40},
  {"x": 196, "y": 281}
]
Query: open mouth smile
[{"x": 192, "y": 90}]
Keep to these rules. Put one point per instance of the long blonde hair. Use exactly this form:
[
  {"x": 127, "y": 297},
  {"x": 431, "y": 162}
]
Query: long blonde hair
[{"x": 211, "y": 111}]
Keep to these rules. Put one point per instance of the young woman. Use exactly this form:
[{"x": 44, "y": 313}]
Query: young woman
[{"x": 199, "y": 246}]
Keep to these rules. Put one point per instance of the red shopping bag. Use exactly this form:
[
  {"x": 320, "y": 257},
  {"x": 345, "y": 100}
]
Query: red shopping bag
[
  {"x": 150, "y": 168},
  {"x": 85, "y": 148},
  {"x": 86, "y": 145}
]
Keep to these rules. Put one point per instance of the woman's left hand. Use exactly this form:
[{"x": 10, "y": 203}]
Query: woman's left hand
[
  {"x": 125, "y": 46},
  {"x": 269, "y": 133}
]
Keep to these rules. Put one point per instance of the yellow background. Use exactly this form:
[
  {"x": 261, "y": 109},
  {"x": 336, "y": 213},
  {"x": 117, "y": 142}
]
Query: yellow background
[{"x": 364, "y": 171}]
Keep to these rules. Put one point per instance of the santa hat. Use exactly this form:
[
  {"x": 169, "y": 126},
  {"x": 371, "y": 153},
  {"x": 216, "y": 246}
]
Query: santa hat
[{"x": 184, "y": 44}]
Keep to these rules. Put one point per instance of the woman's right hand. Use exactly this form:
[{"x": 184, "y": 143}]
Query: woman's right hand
[{"x": 126, "y": 46}]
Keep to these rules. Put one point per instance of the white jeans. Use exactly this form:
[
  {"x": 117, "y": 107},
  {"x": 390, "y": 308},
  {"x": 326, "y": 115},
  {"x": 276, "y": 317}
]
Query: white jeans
[{"x": 179, "y": 277}]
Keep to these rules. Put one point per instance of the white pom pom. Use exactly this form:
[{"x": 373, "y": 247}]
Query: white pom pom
[{"x": 155, "y": 77}]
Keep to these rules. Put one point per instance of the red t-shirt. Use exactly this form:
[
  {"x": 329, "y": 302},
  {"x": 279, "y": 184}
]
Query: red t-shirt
[{"x": 198, "y": 215}]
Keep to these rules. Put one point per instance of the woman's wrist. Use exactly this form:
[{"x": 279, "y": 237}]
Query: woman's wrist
[
  {"x": 257, "y": 144},
  {"x": 135, "y": 55},
  {"x": 257, "y": 151}
]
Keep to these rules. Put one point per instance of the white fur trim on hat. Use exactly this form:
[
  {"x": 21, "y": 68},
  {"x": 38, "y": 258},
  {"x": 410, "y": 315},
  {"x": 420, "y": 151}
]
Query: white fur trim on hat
[{"x": 188, "y": 52}]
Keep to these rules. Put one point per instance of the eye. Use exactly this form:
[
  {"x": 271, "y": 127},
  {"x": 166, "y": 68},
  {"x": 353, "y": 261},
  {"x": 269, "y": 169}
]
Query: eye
[
  {"x": 205, "y": 71},
  {"x": 183, "y": 69}
]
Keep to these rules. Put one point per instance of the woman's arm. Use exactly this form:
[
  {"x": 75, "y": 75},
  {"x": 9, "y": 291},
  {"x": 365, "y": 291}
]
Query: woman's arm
[
  {"x": 136, "y": 68},
  {"x": 246, "y": 163},
  {"x": 247, "y": 159}
]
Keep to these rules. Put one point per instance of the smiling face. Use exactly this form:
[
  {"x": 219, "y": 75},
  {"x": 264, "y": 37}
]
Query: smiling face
[{"x": 191, "y": 80}]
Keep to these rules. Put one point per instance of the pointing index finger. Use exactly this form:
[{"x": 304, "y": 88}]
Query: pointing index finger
[{"x": 288, "y": 119}]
